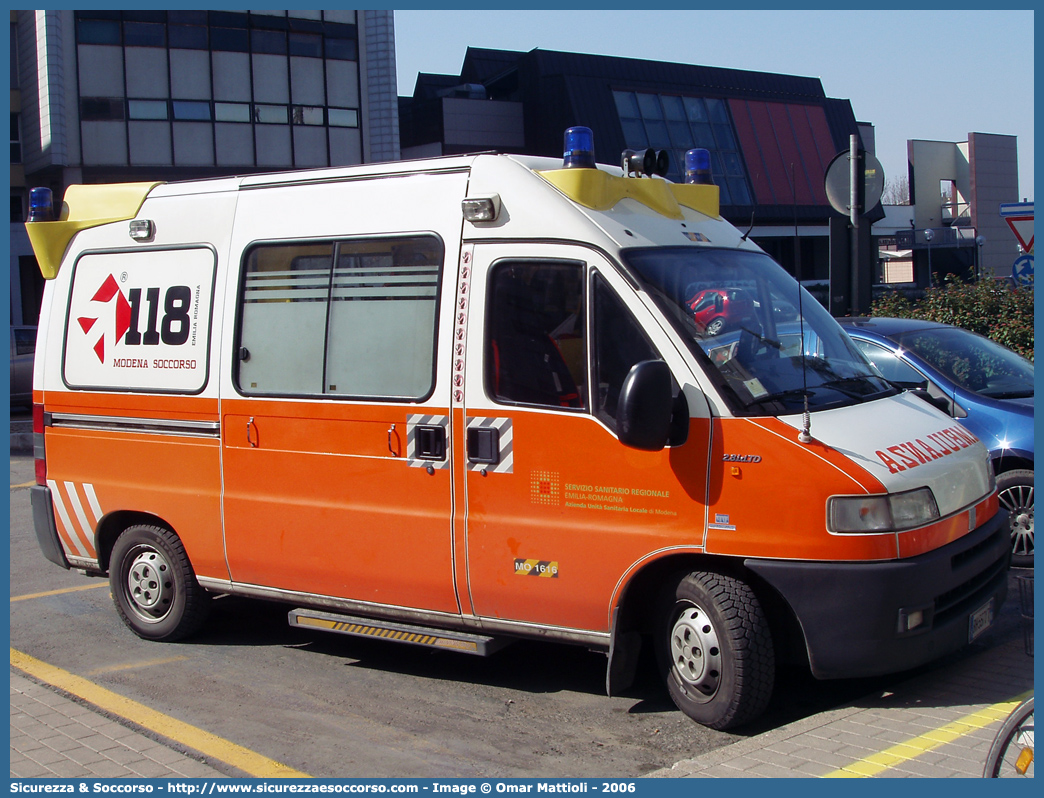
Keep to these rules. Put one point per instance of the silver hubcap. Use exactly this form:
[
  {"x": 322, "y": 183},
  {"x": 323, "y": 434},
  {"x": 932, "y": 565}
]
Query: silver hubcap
[
  {"x": 696, "y": 653},
  {"x": 1018, "y": 500},
  {"x": 150, "y": 585}
]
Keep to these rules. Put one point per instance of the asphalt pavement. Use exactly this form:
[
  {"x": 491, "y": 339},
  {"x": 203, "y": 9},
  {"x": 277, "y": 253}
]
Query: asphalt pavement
[{"x": 938, "y": 722}]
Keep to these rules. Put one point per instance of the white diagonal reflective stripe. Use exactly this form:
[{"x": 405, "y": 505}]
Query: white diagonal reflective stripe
[
  {"x": 59, "y": 507},
  {"x": 92, "y": 500},
  {"x": 86, "y": 527}
]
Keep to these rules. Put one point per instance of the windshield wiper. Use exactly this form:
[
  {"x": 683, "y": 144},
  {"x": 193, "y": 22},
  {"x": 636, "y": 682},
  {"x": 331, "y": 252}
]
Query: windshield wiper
[
  {"x": 771, "y": 342},
  {"x": 1025, "y": 393},
  {"x": 778, "y": 395},
  {"x": 837, "y": 386}
]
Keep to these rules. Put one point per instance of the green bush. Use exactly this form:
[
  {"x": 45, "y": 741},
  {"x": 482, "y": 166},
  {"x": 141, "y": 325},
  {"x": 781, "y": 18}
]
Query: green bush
[{"x": 988, "y": 307}]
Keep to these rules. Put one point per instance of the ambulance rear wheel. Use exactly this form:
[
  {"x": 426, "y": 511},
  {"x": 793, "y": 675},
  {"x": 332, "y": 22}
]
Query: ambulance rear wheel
[
  {"x": 715, "y": 649},
  {"x": 153, "y": 585}
]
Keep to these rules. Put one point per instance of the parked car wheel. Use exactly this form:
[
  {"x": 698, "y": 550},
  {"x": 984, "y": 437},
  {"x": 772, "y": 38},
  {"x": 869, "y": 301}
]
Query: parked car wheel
[
  {"x": 1015, "y": 491},
  {"x": 717, "y": 326}
]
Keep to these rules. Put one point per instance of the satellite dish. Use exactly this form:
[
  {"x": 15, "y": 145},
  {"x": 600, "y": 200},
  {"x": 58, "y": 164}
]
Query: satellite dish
[{"x": 838, "y": 182}]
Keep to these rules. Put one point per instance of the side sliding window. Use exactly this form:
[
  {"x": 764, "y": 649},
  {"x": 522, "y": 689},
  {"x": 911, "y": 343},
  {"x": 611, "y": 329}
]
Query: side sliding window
[{"x": 351, "y": 318}]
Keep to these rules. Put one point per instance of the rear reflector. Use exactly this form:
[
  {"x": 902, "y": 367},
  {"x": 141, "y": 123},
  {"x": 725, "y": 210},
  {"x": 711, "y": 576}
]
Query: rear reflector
[{"x": 40, "y": 460}]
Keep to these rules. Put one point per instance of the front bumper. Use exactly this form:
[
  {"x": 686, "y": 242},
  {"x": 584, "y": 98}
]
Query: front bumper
[{"x": 852, "y": 614}]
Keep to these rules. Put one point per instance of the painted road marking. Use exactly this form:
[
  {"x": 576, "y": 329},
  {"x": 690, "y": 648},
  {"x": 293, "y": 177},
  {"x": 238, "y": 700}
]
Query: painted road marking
[
  {"x": 130, "y": 666},
  {"x": 911, "y": 749},
  {"x": 76, "y": 589},
  {"x": 210, "y": 745},
  {"x": 24, "y": 485}
]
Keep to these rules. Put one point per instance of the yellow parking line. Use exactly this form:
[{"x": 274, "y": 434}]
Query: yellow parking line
[
  {"x": 210, "y": 745},
  {"x": 24, "y": 485},
  {"x": 913, "y": 748},
  {"x": 76, "y": 589}
]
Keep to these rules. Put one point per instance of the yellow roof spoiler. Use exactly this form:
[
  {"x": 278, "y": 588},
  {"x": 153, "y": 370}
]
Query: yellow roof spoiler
[
  {"x": 600, "y": 191},
  {"x": 84, "y": 207}
]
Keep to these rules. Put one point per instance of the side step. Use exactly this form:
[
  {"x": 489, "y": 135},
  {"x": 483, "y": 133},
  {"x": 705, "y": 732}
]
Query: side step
[{"x": 466, "y": 643}]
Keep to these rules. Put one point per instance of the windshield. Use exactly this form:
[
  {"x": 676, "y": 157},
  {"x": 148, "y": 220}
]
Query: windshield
[
  {"x": 738, "y": 312},
  {"x": 972, "y": 361}
]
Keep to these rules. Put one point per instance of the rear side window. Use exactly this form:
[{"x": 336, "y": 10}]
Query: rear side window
[{"x": 353, "y": 318}]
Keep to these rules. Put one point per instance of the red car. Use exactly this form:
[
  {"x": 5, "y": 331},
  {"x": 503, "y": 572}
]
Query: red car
[{"x": 717, "y": 309}]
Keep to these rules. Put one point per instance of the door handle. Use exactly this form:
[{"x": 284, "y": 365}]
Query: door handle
[
  {"x": 252, "y": 438},
  {"x": 431, "y": 443},
  {"x": 484, "y": 445}
]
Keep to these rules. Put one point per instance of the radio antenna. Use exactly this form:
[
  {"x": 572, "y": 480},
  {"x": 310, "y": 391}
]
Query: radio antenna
[
  {"x": 744, "y": 236},
  {"x": 805, "y": 436}
]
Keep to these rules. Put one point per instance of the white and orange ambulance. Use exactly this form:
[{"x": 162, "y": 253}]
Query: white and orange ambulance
[{"x": 472, "y": 399}]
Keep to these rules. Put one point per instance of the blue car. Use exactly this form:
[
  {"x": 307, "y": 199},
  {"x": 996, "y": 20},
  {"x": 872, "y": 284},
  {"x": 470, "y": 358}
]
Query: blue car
[{"x": 980, "y": 383}]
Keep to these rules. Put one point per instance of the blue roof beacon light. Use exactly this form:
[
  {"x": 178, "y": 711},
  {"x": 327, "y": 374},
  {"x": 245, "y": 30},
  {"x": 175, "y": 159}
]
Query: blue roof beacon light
[
  {"x": 41, "y": 205},
  {"x": 698, "y": 166},
  {"x": 579, "y": 148}
]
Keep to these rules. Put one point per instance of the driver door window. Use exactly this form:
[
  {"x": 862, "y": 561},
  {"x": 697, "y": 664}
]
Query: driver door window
[{"x": 535, "y": 353}]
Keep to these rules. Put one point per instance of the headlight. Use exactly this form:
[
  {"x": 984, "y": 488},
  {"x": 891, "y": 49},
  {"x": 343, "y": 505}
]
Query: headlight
[
  {"x": 991, "y": 475},
  {"x": 893, "y": 512}
]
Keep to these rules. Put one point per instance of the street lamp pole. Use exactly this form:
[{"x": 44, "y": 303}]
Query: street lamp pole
[
  {"x": 928, "y": 236},
  {"x": 979, "y": 241}
]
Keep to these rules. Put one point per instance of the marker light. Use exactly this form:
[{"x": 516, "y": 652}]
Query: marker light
[
  {"x": 41, "y": 205},
  {"x": 142, "y": 229},
  {"x": 481, "y": 209},
  {"x": 698, "y": 166},
  {"x": 579, "y": 148}
]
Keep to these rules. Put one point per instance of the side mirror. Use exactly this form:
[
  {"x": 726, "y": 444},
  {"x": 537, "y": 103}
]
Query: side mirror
[{"x": 645, "y": 407}]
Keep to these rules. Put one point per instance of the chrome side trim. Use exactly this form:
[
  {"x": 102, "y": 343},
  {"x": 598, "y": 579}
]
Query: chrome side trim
[
  {"x": 443, "y": 620},
  {"x": 151, "y": 426}
]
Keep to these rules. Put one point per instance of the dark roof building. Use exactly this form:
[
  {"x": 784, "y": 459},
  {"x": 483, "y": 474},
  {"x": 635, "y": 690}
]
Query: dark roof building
[
  {"x": 771, "y": 136},
  {"x": 104, "y": 96}
]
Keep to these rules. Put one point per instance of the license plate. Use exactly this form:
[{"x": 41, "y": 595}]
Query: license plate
[{"x": 980, "y": 620}]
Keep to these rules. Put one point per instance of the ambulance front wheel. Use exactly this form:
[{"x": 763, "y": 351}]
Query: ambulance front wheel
[
  {"x": 715, "y": 649},
  {"x": 153, "y": 585}
]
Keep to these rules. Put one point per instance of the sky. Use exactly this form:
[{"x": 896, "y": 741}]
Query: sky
[{"x": 933, "y": 74}]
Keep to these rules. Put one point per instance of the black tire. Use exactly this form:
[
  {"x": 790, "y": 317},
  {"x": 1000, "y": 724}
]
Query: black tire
[
  {"x": 1015, "y": 491},
  {"x": 715, "y": 650},
  {"x": 153, "y": 586},
  {"x": 1003, "y": 758}
]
